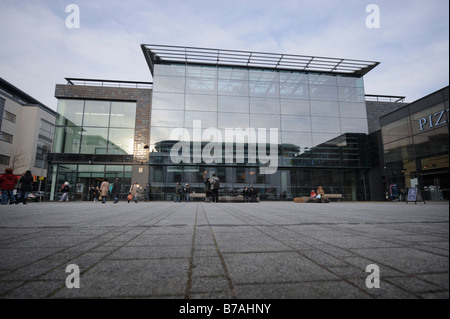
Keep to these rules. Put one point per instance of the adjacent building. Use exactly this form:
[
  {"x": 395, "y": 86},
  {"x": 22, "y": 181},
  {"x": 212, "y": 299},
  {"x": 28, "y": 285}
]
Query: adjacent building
[
  {"x": 26, "y": 131},
  {"x": 416, "y": 147}
]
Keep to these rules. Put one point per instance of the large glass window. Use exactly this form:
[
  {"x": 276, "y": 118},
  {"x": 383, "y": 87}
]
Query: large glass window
[
  {"x": 95, "y": 127},
  {"x": 307, "y": 109}
]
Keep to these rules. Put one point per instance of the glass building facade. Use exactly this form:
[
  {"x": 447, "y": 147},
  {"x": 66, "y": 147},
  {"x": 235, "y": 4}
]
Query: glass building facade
[
  {"x": 416, "y": 147},
  {"x": 319, "y": 118},
  {"x": 101, "y": 130},
  {"x": 282, "y": 124}
]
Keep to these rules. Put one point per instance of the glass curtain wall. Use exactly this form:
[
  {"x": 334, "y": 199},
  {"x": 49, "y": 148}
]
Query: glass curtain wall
[
  {"x": 91, "y": 127},
  {"x": 320, "y": 120},
  {"x": 95, "y": 127}
]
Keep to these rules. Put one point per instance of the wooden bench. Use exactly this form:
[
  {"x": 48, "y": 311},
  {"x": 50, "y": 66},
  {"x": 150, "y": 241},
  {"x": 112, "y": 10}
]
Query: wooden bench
[
  {"x": 327, "y": 197},
  {"x": 222, "y": 199}
]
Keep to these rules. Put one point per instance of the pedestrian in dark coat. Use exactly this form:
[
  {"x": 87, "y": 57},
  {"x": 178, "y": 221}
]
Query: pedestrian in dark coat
[
  {"x": 26, "y": 186},
  {"x": 115, "y": 192}
]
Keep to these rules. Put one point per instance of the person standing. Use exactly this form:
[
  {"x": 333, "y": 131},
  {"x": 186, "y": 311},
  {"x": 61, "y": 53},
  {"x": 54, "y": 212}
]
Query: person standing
[
  {"x": 65, "y": 192},
  {"x": 26, "y": 186},
  {"x": 104, "y": 189},
  {"x": 96, "y": 193},
  {"x": 115, "y": 192},
  {"x": 91, "y": 192},
  {"x": 187, "y": 191},
  {"x": 133, "y": 191},
  {"x": 252, "y": 193},
  {"x": 8, "y": 182},
  {"x": 208, "y": 190},
  {"x": 215, "y": 185},
  {"x": 246, "y": 194},
  {"x": 178, "y": 192}
]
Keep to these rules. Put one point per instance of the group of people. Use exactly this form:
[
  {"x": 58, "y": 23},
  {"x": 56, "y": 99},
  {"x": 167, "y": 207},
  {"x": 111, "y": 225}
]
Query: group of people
[
  {"x": 320, "y": 193},
  {"x": 250, "y": 195},
  {"x": 181, "y": 192},
  {"x": 15, "y": 189},
  {"x": 101, "y": 193},
  {"x": 211, "y": 190}
]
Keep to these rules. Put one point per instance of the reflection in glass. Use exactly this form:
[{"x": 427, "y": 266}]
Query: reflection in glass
[
  {"x": 350, "y": 94},
  {"x": 67, "y": 140},
  {"x": 353, "y": 125},
  {"x": 170, "y": 69},
  {"x": 198, "y": 102},
  {"x": 172, "y": 101},
  {"x": 201, "y": 86},
  {"x": 395, "y": 130},
  {"x": 323, "y": 93},
  {"x": 123, "y": 114},
  {"x": 70, "y": 112},
  {"x": 324, "y": 108},
  {"x": 325, "y": 124},
  {"x": 233, "y": 120},
  {"x": 358, "y": 110},
  {"x": 120, "y": 141},
  {"x": 208, "y": 119},
  {"x": 94, "y": 140},
  {"x": 168, "y": 118},
  {"x": 295, "y": 123},
  {"x": 169, "y": 84},
  {"x": 295, "y": 107},
  {"x": 233, "y": 87},
  {"x": 350, "y": 81},
  {"x": 96, "y": 113},
  {"x": 264, "y": 105},
  {"x": 233, "y": 104}
]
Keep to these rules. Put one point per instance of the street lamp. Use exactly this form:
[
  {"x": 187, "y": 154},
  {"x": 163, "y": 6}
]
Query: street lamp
[{"x": 42, "y": 175}]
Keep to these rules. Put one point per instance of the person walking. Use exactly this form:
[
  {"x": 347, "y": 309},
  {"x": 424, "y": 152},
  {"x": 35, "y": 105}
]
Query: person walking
[
  {"x": 178, "y": 192},
  {"x": 65, "y": 192},
  {"x": 104, "y": 189},
  {"x": 187, "y": 191},
  {"x": 96, "y": 193},
  {"x": 91, "y": 192},
  {"x": 133, "y": 192},
  {"x": 8, "y": 182},
  {"x": 208, "y": 190},
  {"x": 26, "y": 186},
  {"x": 115, "y": 192},
  {"x": 215, "y": 185}
]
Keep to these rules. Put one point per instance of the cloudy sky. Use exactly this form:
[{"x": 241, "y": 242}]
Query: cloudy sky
[{"x": 38, "y": 50}]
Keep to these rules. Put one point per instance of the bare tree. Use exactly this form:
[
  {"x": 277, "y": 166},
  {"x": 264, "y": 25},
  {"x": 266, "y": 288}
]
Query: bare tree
[{"x": 18, "y": 160}]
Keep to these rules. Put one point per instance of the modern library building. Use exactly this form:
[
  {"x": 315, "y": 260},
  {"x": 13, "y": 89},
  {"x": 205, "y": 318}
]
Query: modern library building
[{"x": 280, "y": 123}]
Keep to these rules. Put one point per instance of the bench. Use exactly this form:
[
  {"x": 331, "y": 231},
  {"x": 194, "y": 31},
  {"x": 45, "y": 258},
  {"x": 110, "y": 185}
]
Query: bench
[
  {"x": 327, "y": 197},
  {"x": 223, "y": 199}
]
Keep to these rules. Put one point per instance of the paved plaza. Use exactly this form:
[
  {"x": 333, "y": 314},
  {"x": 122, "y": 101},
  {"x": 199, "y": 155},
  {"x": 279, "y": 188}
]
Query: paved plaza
[{"x": 267, "y": 250}]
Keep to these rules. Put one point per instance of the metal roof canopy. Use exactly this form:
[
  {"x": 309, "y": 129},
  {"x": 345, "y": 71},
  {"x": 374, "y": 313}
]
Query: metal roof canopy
[{"x": 155, "y": 54}]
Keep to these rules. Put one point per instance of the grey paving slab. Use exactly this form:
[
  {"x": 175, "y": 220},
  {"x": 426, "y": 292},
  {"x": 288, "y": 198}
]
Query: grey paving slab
[{"x": 215, "y": 251}]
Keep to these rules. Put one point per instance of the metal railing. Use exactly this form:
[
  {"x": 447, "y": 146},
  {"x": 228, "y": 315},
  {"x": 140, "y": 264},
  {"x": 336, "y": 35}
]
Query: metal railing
[{"x": 109, "y": 83}]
